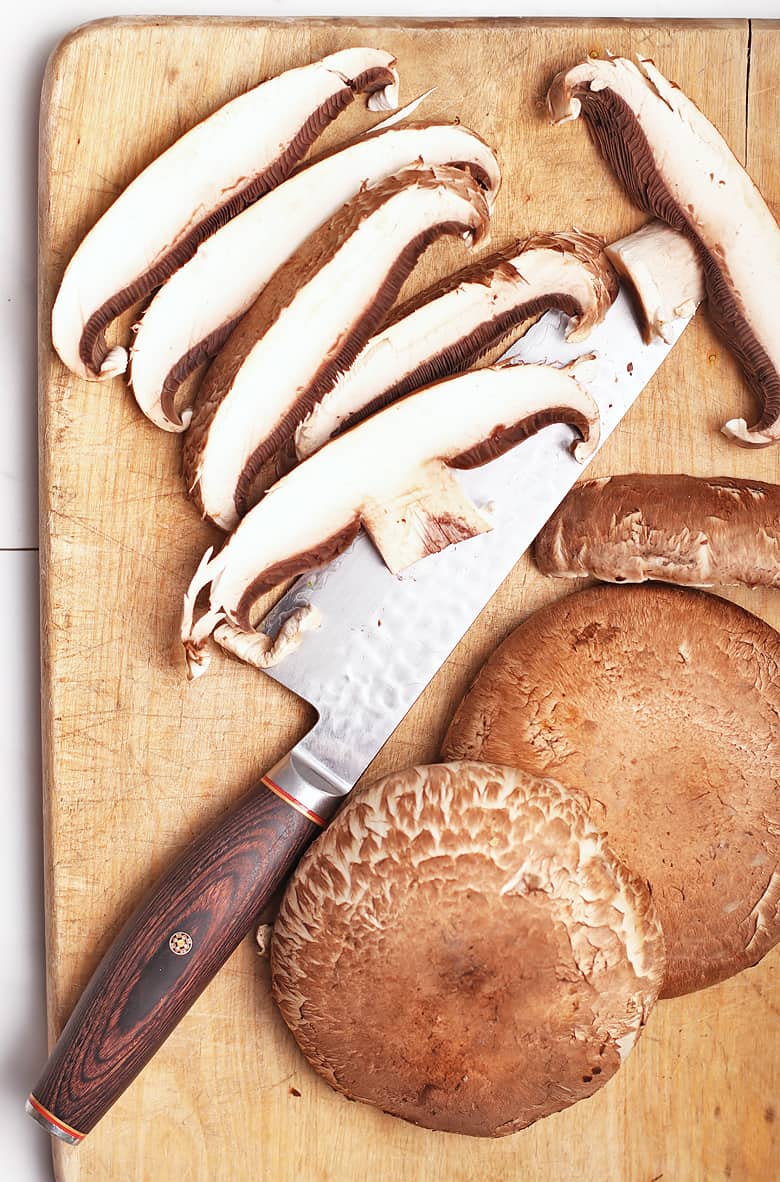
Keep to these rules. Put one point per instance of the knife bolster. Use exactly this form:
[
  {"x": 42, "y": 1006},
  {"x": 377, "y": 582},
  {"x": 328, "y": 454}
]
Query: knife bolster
[{"x": 297, "y": 780}]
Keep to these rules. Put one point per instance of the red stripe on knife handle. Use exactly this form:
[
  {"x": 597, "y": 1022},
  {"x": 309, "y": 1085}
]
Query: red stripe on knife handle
[
  {"x": 50, "y": 1122},
  {"x": 272, "y": 786}
]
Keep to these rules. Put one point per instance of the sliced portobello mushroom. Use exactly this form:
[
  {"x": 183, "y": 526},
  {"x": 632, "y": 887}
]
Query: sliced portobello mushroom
[
  {"x": 448, "y": 328},
  {"x": 673, "y": 163},
  {"x": 662, "y": 704},
  {"x": 392, "y": 474},
  {"x": 310, "y": 323},
  {"x": 206, "y": 177},
  {"x": 192, "y": 315},
  {"x": 693, "y": 530},
  {"x": 662, "y": 272},
  {"x": 485, "y": 960}
]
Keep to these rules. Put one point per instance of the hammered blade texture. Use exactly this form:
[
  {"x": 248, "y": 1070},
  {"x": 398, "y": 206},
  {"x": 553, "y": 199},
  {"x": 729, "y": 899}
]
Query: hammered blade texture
[{"x": 383, "y": 636}]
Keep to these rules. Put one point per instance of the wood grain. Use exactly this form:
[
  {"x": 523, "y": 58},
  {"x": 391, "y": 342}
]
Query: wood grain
[
  {"x": 168, "y": 952},
  {"x": 137, "y": 761}
]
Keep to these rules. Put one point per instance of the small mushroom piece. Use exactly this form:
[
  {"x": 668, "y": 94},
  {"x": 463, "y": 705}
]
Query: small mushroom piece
[
  {"x": 692, "y": 530},
  {"x": 462, "y": 949},
  {"x": 201, "y": 181},
  {"x": 448, "y": 328},
  {"x": 192, "y": 314},
  {"x": 310, "y": 323},
  {"x": 263, "y": 937},
  {"x": 263, "y": 651},
  {"x": 393, "y": 474},
  {"x": 662, "y": 272},
  {"x": 673, "y": 163},
  {"x": 662, "y": 704}
]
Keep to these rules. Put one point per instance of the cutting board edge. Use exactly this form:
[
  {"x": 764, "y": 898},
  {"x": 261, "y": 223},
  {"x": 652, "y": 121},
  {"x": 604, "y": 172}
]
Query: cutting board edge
[
  {"x": 66, "y": 1165},
  {"x": 99, "y": 24}
]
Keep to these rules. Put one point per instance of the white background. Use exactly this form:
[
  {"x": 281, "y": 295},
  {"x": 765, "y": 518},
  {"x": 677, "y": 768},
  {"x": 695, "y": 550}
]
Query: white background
[{"x": 32, "y": 29}]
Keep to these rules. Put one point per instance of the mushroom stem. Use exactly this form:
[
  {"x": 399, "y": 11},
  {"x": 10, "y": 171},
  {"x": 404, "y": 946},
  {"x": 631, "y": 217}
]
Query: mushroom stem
[
  {"x": 263, "y": 651},
  {"x": 662, "y": 271}
]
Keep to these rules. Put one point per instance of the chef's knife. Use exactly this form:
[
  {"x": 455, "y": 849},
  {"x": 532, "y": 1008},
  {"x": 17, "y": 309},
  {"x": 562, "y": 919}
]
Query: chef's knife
[{"x": 381, "y": 640}]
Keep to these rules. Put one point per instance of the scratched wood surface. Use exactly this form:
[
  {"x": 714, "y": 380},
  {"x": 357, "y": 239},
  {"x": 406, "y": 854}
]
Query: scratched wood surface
[{"x": 137, "y": 761}]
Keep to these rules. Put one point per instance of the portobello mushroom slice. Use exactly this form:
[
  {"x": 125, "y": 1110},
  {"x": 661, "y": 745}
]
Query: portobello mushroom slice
[
  {"x": 448, "y": 328},
  {"x": 673, "y": 163},
  {"x": 696, "y": 531},
  {"x": 662, "y": 273},
  {"x": 393, "y": 475},
  {"x": 193, "y": 313},
  {"x": 206, "y": 177},
  {"x": 310, "y": 323}
]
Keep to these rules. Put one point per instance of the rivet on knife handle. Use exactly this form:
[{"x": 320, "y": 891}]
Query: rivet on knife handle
[{"x": 172, "y": 947}]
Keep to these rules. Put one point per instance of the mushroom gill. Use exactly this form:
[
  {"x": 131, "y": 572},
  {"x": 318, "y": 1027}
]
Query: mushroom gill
[
  {"x": 202, "y": 180},
  {"x": 392, "y": 474},
  {"x": 193, "y": 313},
  {"x": 448, "y": 328},
  {"x": 673, "y": 163},
  {"x": 310, "y": 323}
]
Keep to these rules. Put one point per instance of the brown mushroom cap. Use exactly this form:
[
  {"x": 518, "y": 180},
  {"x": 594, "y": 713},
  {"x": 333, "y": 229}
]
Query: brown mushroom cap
[
  {"x": 698, "y": 531},
  {"x": 461, "y": 949},
  {"x": 664, "y": 705}
]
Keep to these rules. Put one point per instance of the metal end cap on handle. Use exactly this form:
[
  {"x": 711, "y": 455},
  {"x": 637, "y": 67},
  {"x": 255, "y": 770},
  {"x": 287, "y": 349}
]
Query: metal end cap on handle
[{"x": 52, "y": 1124}]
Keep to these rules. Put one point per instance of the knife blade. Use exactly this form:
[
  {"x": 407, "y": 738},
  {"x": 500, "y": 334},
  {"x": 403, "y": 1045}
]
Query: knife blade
[
  {"x": 381, "y": 640},
  {"x": 392, "y": 633}
]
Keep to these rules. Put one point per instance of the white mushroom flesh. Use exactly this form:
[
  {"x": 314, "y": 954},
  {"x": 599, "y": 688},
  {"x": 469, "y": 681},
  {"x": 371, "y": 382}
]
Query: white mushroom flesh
[
  {"x": 411, "y": 506},
  {"x": 193, "y": 312},
  {"x": 446, "y": 331},
  {"x": 675, "y": 164},
  {"x": 229, "y": 159},
  {"x": 311, "y": 321},
  {"x": 663, "y": 273}
]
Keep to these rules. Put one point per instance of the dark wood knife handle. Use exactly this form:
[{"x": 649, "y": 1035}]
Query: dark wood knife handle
[{"x": 165, "y": 956}]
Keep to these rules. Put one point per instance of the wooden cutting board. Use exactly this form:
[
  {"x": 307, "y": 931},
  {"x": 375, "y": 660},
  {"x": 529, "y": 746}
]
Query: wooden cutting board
[{"x": 137, "y": 761}]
